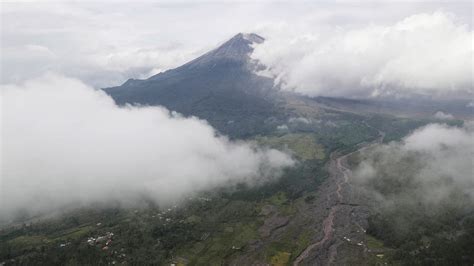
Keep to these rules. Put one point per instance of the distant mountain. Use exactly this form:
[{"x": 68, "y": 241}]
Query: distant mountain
[
  {"x": 220, "y": 86},
  {"x": 404, "y": 107}
]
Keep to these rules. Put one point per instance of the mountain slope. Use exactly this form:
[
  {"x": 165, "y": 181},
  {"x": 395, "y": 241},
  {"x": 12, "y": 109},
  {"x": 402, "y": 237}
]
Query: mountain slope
[{"x": 220, "y": 86}]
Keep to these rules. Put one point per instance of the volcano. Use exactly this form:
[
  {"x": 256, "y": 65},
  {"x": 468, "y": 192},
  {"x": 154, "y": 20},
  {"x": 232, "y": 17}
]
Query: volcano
[{"x": 220, "y": 86}]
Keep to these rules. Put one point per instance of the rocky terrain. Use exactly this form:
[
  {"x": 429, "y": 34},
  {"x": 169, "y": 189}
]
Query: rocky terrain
[{"x": 344, "y": 223}]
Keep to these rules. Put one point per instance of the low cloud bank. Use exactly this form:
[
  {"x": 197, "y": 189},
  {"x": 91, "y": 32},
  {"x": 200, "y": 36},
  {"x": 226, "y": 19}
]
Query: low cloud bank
[
  {"x": 427, "y": 54},
  {"x": 429, "y": 173},
  {"x": 443, "y": 116},
  {"x": 64, "y": 143}
]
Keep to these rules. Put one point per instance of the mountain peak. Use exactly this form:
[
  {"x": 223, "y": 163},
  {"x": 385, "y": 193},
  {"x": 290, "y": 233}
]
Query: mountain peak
[
  {"x": 219, "y": 86},
  {"x": 239, "y": 45},
  {"x": 248, "y": 37},
  {"x": 237, "y": 49}
]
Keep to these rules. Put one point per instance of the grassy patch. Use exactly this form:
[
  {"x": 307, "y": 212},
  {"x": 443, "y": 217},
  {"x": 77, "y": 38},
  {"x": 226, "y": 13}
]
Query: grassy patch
[
  {"x": 303, "y": 242},
  {"x": 374, "y": 243},
  {"x": 303, "y": 145},
  {"x": 215, "y": 249},
  {"x": 28, "y": 241},
  {"x": 74, "y": 233},
  {"x": 278, "y": 199},
  {"x": 293, "y": 242},
  {"x": 379, "y": 254},
  {"x": 280, "y": 259}
]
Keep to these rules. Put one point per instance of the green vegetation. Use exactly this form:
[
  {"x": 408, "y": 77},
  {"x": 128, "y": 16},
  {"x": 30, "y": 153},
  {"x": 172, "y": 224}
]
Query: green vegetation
[
  {"x": 373, "y": 243},
  {"x": 290, "y": 244},
  {"x": 303, "y": 145},
  {"x": 396, "y": 128},
  {"x": 278, "y": 199},
  {"x": 28, "y": 241},
  {"x": 280, "y": 259},
  {"x": 216, "y": 248}
]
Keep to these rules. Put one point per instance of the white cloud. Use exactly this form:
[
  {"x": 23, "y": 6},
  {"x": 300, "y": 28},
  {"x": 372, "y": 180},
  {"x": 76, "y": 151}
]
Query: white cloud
[
  {"x": 101, "y": 45},
  {"x": 427, "y": 167},
  {"x": 104, "y": 44},
  {"x": 443, "y": 116},
  {"x": 435, "y": 138},
  {"x": 429, "y": 54},
  {"x": 303, "y": 120},
  {"x": 65, "y": 143}
]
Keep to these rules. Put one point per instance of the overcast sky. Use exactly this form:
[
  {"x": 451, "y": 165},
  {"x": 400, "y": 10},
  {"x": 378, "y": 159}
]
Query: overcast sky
[{"x": 104, "y": 43}]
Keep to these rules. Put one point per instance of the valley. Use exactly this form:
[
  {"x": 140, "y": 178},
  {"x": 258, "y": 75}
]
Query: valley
[
  {"x": 312, "y": 213},
  {"x": 343, "y": 222}
]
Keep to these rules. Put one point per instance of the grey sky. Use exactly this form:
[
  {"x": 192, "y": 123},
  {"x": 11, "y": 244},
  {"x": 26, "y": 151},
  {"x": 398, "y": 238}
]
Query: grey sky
[{"x": 104, "y": 43}]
